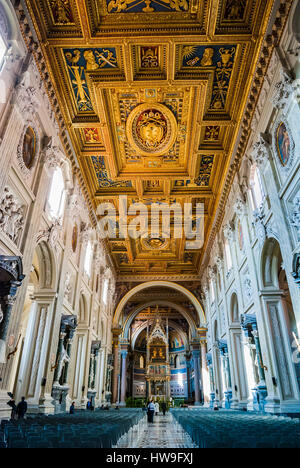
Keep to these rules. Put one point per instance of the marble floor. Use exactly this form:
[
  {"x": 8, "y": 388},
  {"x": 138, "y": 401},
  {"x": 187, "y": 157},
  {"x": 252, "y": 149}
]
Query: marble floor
[{"x": 164, "y": 432}]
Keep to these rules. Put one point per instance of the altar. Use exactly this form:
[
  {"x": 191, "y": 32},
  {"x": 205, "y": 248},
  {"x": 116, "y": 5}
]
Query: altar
[{"x": 158, "y": 370}]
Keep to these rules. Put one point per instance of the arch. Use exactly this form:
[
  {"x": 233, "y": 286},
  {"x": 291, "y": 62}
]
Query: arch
[
  {"x": 82, "y": 316},
  {"x": 142, "y": 362},
  {"x": 174, "y": 325},
  {"x": 47, "y": 266},
  {"x": 140, "y": 307},
  {"x": 270, "y": 263},
  {"x": 166, "y": 284}
]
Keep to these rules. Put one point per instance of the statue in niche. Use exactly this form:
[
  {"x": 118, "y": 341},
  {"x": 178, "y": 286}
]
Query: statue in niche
[
  {"x": 11, "y": 216},
  {"x": 63, "y": 359},
  {"x": 68, "y": 287}
]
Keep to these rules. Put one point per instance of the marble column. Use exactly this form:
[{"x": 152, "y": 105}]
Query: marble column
[
  {"x": 116, "y": 334},
  {"x": 196, "y": 354},
  {"x": 91, "y": 371},
  {"x": 69, "y": 350},
  {"x": 249, "y": 369},
  {"x": 102, "y": 374},
  {"x": 188, "y": 375},
  {"x": 259, "y": 390},
  {"x": 211, "y": 379},
  {"x": 148, "y": 389},
  {"x": 11, "y": 277},
  {"x": 205, "y": 373},
  {"x": 226, "y": 371},
  {"x": 124, "y": 354}
]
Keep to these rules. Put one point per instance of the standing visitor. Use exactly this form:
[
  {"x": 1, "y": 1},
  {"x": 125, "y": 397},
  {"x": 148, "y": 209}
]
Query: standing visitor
[
  {"x": 13, "y": 406},
  {"x": 22, "y": 408},
  {"x": 72, "y": 408},
  {"x": 151, "y": 410},
  {"x": 164, "y": 407},
  {"x": 156, "y": 408}
]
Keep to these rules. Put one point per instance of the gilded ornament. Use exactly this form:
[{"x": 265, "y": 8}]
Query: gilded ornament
[
  {"x": 151, "y": 130},
  {"x": 61, "y": 11},
  {"x": 234, "y": 10},
  {"x": 127, "y": 6},
  {"x": 207, "y": 60}
]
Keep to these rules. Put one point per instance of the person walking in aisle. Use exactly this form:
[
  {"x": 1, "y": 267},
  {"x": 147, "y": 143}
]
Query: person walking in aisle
[{"x": 151, "y": 411}]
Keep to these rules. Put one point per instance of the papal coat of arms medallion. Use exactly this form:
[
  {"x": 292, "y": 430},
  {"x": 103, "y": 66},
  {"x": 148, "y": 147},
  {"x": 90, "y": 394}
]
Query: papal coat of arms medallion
[{"x": 151, "y": 129}]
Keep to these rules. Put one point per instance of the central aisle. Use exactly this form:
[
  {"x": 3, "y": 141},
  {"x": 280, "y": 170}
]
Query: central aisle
[{"x": 165, "y": 432}]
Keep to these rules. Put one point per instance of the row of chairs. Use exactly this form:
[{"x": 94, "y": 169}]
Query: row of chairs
[
  {"x": 83, "y": 429},
  {"x": 232, "y": 429}
]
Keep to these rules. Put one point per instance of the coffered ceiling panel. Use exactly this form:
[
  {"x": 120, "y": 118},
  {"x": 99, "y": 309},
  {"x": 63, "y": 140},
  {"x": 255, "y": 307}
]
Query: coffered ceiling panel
[{"x": 152, "y": 93}]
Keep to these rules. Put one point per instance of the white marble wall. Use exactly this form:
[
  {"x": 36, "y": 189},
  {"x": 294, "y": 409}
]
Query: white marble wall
[
  {"x": 55, "y": 283},
  {"x": 270, "y": 235}
]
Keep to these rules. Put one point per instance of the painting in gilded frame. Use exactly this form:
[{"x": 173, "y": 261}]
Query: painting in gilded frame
[
  {"x": 283, "y": 144},
  {"x": 29, "y": 147},
  {"x": 74, "y": 237}
]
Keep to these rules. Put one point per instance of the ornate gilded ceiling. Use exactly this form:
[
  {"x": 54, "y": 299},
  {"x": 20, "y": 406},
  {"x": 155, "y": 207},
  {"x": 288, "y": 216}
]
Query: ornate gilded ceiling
[{"x": 152, "y": 93}]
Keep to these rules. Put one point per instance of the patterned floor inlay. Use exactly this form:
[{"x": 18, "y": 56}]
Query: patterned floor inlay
[{"x": 165, "y": 432}]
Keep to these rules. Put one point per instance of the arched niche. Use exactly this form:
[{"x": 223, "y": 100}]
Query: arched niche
[
  {"x": 166, "y": 284},
  {"x": 234, "y": 309},
  {"x": 47, "y": 268},
  {"x": 140, "y": 307},
  {"x": 83, "y": 309},
  {"x": 270, "y": 263}
]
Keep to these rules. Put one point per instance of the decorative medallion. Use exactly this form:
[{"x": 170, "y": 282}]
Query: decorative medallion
[
  {"x": 74, "y": 238},
  {"x": 283, "y": 144},
  {"x": 28, "y": 148},
  {"x": 154, "y": 243},
  {"x": 151, "y": 130}
]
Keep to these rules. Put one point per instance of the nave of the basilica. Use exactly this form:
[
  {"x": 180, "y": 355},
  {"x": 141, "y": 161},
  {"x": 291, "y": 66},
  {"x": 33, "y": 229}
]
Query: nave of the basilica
[{"x": 112, "y": 111}]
